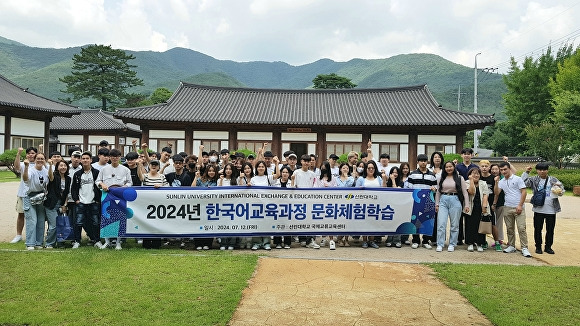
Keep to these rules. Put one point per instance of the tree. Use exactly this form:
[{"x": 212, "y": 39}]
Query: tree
[
  {"x": 7, "y": 158},
  {"x": 102, "y": 73},
  {"x": 565, "y": 90},
  {"x": 160, "y": 95},
  {"x": 332, "y": 81}
]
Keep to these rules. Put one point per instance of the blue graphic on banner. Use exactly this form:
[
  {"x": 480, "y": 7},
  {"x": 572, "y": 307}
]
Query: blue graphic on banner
[{"x": 262, "y": 211}]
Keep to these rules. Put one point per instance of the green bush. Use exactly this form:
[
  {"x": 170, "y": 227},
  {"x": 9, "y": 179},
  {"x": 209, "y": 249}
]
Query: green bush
[
  {"x": 7, "y": 158},
  {"x": 451, "y": 157}
]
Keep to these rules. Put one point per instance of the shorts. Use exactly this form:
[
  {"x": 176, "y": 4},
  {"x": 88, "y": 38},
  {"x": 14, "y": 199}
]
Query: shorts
[{"x": 19, "y": 207}]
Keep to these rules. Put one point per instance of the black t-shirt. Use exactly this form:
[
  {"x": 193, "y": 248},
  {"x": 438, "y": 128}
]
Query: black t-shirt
[
  {"x": 181, "y": 180},
  {"x": 134, "y": 175}
]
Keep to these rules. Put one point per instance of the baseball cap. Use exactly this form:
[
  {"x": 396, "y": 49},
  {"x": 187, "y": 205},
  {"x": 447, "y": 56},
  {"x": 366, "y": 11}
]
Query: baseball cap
[{"x": 76, "y": 153}]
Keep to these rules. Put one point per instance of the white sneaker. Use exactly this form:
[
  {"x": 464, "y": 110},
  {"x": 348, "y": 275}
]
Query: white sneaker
[
  {"x": 470, "y": 248},
  {"x": 76, "y": 245},
  {"x": 303, "y": 243},
  {"x": 198, "y": 248},
  {"x": 323, "y": 242},
  {"x": 267, "y": 246},
  {"x": 30, "y": 248},
  {"x": 118, "y": 246},
  {"x": 140, "y": 241},
  {"x": 103, "y": 246},
  {"x": 278, "y": 246},
  {"x": 439, "y": 249},
  {"x": 287, "y": 247},
  {"x": 314, "y": 245},
  {"x": 222, "y": 248},
  {"x": 427, "y": 246},
  {"x": 332, "y": 245},
  {"x": 451, "y": 248},
  {"x": 16, "y": 239},
  {"x": 479, "y": 249},
  {"x": 255, "y": 247},
  {"x": 509, "y": 249},
  {"x": 526, "y": 253},
  {"x": 230, "y": 248},
  {"x": 415, "y": 245},
  {"x": 205, "y": 247}
]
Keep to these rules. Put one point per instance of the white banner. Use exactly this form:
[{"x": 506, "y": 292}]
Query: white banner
[{"x": 263, "y": 211}]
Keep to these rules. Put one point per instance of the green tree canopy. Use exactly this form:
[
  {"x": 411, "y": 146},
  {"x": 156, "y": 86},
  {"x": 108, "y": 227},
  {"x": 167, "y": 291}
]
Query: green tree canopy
[
  {"x": 332, "y": 81},
  {"x": 102, "y": 73}
]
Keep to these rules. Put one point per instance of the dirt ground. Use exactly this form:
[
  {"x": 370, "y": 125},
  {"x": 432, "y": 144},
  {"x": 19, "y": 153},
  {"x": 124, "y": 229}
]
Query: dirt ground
[{"x": 356, "y": 286}]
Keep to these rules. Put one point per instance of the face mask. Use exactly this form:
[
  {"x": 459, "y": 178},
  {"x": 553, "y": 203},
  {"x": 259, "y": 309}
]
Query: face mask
[
  {"x": 213, "y": 159},
  {"x": 360, "y": 170},
  {"x": 191, "y": 165}
]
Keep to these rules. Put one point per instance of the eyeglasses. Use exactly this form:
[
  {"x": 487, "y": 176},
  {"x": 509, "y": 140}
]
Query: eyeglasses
[{"x": 370, "y": 167}]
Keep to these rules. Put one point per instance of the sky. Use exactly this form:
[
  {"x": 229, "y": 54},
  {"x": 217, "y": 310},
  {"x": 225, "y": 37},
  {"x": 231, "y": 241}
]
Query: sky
[{"x": 301, "y": 31}]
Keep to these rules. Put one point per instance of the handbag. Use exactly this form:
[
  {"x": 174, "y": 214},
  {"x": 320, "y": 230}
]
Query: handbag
[
  {"x": 485, "y": 225},
  {"x": 539, "y": 196},
  {"x": 37, "y": 198},
  {"x": 63, "y": 228}
]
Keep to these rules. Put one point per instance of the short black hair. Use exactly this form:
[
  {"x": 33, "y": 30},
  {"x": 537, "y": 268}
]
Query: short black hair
[
  {"x": 103, "y": 151},
  {"x": 115, "y": 152},
  {"x": 132, "y": 156},
  {"x": 31, "y": 149},
  {"x": 305, "y": 157},
  {"x": 54, "y": 153},
  {"x": 166, "y": 149},
  {"x": 364, "y": 154},
  {"x": 385, "y": 155},
  {"x": 422, "y": 157},
  {"x": 467, "y": 151},
  {"x": 177, "y": 158},
  {"x": 543, "y": 166}
]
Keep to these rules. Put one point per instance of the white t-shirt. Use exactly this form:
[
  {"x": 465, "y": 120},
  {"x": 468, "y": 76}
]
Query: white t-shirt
[
  {"x": 119, "y": 176},
  {"x": 262, "y": 180},
  {"x": 304, "y": 179},
  {"x": 37, "y": 179},
  {"x": 23, "y": 187},
  {"x": 86, "y": 193},
  {"x": 512, "y": 189}
]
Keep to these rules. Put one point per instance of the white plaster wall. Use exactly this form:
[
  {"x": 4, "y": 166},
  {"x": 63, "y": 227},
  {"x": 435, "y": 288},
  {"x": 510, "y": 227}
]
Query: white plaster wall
[
  {"x": 25, "y": 127},
  {"x": 290, "y": 136},
  {"x": 436, "y": 139},
  {"x": 245, "y": 135},
  {"x": 173, "y": 134},
  {"x": 347, "y": 138}
]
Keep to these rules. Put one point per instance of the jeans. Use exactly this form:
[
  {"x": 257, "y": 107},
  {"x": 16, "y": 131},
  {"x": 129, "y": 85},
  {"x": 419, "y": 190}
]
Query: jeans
[
  {"x": 448, "y": 206},
  {"x": 51, "y": 218},
  {"x": 87, "y": 215},
  {"x": 34, "y": 216}
]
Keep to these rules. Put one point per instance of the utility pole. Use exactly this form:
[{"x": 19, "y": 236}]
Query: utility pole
[
  {"x": 459, "y": 98},
  {"x": 475, "y": 140}
]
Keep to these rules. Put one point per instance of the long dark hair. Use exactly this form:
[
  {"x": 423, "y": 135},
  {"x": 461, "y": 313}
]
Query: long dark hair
[
  {"x": 456, "y": 177},
  {"x": 398, "y": 179},
  {"x": 376, "y": 174},
  {"x": 326, "y": 171},
  {"x": 431, "y": 165},
  {"x": 234, "y": 177}
]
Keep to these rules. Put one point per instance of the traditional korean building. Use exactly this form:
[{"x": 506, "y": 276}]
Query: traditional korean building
[
  {"x": 403, "y": 121},
  {"x": 89, "y": 128},
  {"x": 25, "y": 117}
]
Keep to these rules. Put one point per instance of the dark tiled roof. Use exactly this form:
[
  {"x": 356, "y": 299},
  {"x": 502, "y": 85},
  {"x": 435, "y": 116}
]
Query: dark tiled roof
[
  {"x": 404, "y": 106},
  {"x": 12, "y": 95},
  {"x": 91, "y": 120}
]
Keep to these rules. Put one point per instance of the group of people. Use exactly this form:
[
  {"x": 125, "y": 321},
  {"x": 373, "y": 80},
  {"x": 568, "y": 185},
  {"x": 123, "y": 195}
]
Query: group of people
[{"x": 465, "y": 194}]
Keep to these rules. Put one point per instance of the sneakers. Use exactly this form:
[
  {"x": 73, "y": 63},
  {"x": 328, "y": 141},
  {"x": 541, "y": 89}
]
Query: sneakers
[
  {"x": 255, "y": 247},
  {"x": 451, "y": 248},
  {"x": 223, "y": 248},
  {"x": 549, "y": 251},
  {"x": 118, "y": 246},
  {"x": 427, "y": 246},
  {"x": 103, "y": 246},
  {"x": 439, "y": 249},
  {"x": 485, "y": 245},
  {"x": 140, "y": 241},
  {"x": 388, "y": 244},
  {"x": 98, "y": 245},
  {"x": 498, "y": 247},
  {"x": 16, "y": 239},
  {"x": 323, "y": 242},
  {"x": 509, "y": 249},
  {"x": 314, "y": 245},
  {"x": 365, "y": 245},
  {"x": 230, "y": 248},
  {"x": 479, "y": 249},
  {"x": 526, "y": 253},
  {"x": 374, "y": 245},
  {"x": 398, "y": 245},
  {"x": 407, "y": 242},
  {"x": 303, "y": 243},
  {"x": 286, "y": 246},
  {"x": 470, "y": 248},
  {"x": 30, "y": 248},
  {"x": 415, "y": 245},
  {"x": 346, "y": 243},
  {"x": 49, "y": 247},
  {"x": 332, "y": 245},
  {"x": 267, "y": 246},
  {"x": 278, "y": 246},
  {"x": 205, "y": 247},
  {"x": 76, "y": 245}
]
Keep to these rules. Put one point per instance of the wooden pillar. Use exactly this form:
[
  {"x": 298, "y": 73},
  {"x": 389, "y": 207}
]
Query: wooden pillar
[
  {"x": 85, "y": 144},
  {"x": 459, "y": 141},
  {"x": 413, "y": 142},
  {"x": 145, "y": 134},
  {"x": 277, "y": 143},
  {"x": 7, "y": 131},
  {"x": 320, "y": 146},
  {"x": 189, "y": 140},
  {"x": 47, "y": 136}
]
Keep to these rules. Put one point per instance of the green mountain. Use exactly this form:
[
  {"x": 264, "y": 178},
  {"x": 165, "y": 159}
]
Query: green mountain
[{"x": 39, "y": 70}]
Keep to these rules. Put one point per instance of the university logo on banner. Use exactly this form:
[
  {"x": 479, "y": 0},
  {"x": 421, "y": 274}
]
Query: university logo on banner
[{"x": 146, "y": 212}]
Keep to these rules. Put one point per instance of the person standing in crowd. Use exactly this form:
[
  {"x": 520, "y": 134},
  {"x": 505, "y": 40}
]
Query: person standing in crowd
[
  {"x": 153, "y": 178},
  {"x": 283, "y": 182},
  {"x": 352, "y": 159},
  {"x": 228, "y": 178},
  {"x": 422, "y": 178},
  {"x": 113, "y": 175},
  {"x": 489, "y": 178},
  {"x": 36, "y": 179},
  {"x": 74, "y": 167},
  {"x": 478, "y": 207},
  {"x": 334, "y": 170},
  {"x": 165, "y": 161},
  {"x": 178, "y": 178},
  {"x": 102, "y": 145},
  {"x": 451, "y": 198},
  {"x": 87, "y": 198},
  {"x": 498, "y": 203},
  {"x": 546, "y": 212},
  {"x": 58, "y": 189},
  {"x": 514, "y": 210},
  {"x": 462, "y": 169},
  {"x": 292, "y": 161},
  {"x": 262, "y": 178},
  {"x": 305, "y": 178},
  {"x": 209, "y": 179},
  {"x": 326, "y": 180},
  {"x": 134, "y": 163},
  {"x": 394, "y": 181},
  {"x": 345, "y": 180},
  {"x": 22, "y": 190},
  {"x": 370, "y": 178}
]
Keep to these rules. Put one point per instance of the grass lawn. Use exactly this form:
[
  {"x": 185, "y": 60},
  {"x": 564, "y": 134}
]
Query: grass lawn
[
  {"x": 8, "y": 176},
  {"x": 518, "y": 295},
  {"x": 129, "y": 287}
]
